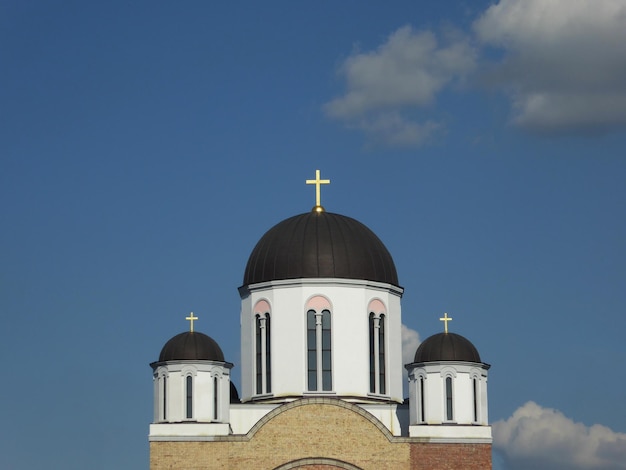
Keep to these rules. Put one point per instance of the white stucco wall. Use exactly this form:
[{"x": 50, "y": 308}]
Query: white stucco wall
[
  {"x": 452, "y": 434},
  {"x": 349, "y": 300},
  {"x": 435, "y": 374},
  {"x": 393, "y": 416},
  {"x": 245, "y": 415},
  {"x": 202, "y": 373}
]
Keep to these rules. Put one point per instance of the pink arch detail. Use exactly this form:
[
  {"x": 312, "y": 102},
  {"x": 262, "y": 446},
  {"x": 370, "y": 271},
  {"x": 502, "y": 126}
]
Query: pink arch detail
[
  {"x": 318, "y": 303},
  {"x": 377, "y": 307},
  {"x": 262, "y": 307}
]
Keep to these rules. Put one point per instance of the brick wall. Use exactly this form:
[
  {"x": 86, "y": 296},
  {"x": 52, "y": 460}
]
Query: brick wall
[
  {"x": 450, "y": 456},
  {"x": 318, "y": 434}
]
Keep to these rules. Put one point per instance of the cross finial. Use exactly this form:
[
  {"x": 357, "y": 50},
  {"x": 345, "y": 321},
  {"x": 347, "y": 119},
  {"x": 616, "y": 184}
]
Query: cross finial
[
  {"x": 191, "y": 318},
  {"x": 445, "y": 319},
  {"x": 317, "y": 182}
]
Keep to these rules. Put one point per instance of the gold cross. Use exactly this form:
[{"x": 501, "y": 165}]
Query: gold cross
[
  {"x": 191, "y": 318},
  {"x": 317, "y": 182},
  {"x": 445, "y": 321}
]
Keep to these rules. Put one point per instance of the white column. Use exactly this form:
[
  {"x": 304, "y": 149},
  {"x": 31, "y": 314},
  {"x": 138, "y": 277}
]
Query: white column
[{"x": 156, "y": 380}]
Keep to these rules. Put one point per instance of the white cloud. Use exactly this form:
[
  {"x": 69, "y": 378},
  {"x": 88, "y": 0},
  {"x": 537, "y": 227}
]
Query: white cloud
[
  {"x": 395, "y": 130},
  {"x": 561, "y": 62},
  {"x": 402, "y": 75},
  {"x": 410, "y": 342},
  {"x": 564, "y": 62},
  {"x": 545, "y": 439}
]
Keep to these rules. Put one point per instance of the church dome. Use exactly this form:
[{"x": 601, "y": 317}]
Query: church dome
[
  {"x": 191, "y": 346},
  {"x": 446, "y": 347},
  {"x": 320, "y": 244}
]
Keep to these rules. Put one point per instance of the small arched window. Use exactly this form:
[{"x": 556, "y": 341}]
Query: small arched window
[
  {"x": 216, "y": 398},
  {"x": 421, "y": 412},
  {"x": 189, "y": 394},
  {"x": 475, "y": 397},
  {"x": 164, "y": 402},
  {"x": 449, "y": 404},
  {"x": 263, "y": 348}
]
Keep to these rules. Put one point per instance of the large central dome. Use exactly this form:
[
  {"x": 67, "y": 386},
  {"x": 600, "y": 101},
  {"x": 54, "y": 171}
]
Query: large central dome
[{"x": 320, "y": 245}]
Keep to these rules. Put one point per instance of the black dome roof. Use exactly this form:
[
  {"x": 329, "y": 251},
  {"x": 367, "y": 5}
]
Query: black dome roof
[
  {"x": 320, "y": 244},
  {"x": 446, "y": 347},
  {"x": 191, "y": 345}
]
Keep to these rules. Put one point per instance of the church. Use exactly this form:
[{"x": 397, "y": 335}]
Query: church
[{"x": 321, "y": 368}]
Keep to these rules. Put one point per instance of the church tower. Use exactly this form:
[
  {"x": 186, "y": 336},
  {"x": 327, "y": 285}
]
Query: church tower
[
  {"x": 448, "y": 389},
  {"x": 321, "y": 368},
  {"x": 320, "y": 302},
  {"x": 191, "y": 387}
]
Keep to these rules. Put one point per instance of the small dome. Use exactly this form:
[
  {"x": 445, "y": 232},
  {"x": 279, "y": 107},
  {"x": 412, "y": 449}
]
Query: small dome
[
  {"x": 446, "y": 347},
  {"x": 320, "y": 244},
  {"x": 191, "y": 345}
]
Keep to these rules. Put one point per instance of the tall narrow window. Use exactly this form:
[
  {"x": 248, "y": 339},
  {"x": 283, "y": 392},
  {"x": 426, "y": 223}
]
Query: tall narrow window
[
  {"x": 262, "y": 348},
  {"x": 327, "y": 383},
  {"x": 268, "y": 349},
  {"x": 372, "y": 354},
  {"x": 449, "y": 414},
  {"x": 189, "y": 388},
  {"x": 319, "y": 351},
  {"x": 215, "y": 398},
  {"x": 475, "y": 396},
  {"x": 311, "y": 334},
  {"x": 377, "y": 350},
  {"x": 381, "y": 355},
  {"x": 258, "y": 356},
  {"x": 164, "y": 397},
  {"x": 422, "y": 412}
]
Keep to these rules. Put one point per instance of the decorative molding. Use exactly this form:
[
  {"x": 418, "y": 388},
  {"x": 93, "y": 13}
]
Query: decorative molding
[
  {"x": 318, "y": 461},
  {"x": 244, "y": 291}
]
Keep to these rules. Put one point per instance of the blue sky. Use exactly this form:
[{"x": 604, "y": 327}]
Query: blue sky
[{"x": 146, "y": 147}]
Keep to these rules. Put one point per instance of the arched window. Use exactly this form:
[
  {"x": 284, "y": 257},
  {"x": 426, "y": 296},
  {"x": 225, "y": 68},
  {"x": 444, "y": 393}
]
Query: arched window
[
  {"x": 263, "y": 348},
  {"x": 381, "y": 355},
  {"x": 475, "y": 397},
  {"x": 189, "y": 390},
  {"x": 326, "y": 352},
  {"x": 215, "y": 398},
  {"x": 319, "y": 346},
  {"x": 378, "y": 378},
  {"x": 268, "y": 349},
  {"x": 164, "y": 403},
  {"x": 449, "y": 404},
  {"x": 421, "y": 402},
  {"x": 259, "y": 354},
  {"x": 311, "y": 341},
  {"x": 372, "y": 354}
]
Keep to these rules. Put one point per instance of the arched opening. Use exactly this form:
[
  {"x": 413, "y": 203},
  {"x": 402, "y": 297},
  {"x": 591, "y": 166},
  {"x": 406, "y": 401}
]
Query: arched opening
[
  {"x": 319, "y": 345},
  {"x": 189, "y": 396},
  {"x": 378, "y": 347},
  {"x": 262, "y": 348}
]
